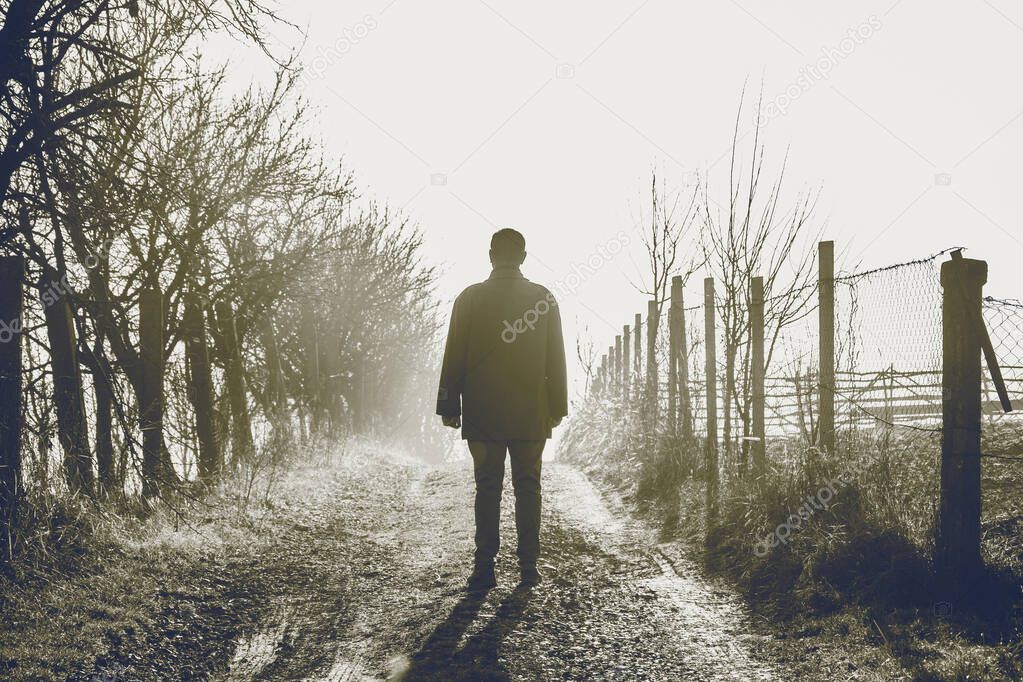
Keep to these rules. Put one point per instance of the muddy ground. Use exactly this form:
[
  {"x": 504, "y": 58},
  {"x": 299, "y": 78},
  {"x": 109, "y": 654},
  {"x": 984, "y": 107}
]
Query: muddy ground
[{"x": 358, "y": 575}]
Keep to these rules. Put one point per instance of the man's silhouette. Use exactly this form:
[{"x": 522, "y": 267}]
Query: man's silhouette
[{"x": 503, "y": 382}]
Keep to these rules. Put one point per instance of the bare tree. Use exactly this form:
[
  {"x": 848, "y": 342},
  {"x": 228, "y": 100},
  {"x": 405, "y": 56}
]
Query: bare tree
[
  {"x": 68, "y": 62},
  {"x": 670, "y": 239},
  {"x": 586, "y": 353},
  {"x": 756, "y": 236}
]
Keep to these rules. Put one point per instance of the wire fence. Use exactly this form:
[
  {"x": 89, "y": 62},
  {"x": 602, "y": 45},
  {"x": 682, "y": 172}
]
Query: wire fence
[
  {"x": 888, "y": 394},
  {"x": 1004, "y": 320}
]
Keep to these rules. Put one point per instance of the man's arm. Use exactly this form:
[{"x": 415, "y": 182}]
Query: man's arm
[
  {"x": 452, "y": 373},
  {"x": 557, "y": 379}
]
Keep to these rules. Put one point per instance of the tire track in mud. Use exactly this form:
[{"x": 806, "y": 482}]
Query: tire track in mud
[
  {"x": 704, "y": 623},
  {"x": 373, "y": 590}
]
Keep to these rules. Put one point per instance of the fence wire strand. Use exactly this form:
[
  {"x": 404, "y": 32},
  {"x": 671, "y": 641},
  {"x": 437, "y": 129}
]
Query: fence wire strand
[{"x": 888, "y": 392}]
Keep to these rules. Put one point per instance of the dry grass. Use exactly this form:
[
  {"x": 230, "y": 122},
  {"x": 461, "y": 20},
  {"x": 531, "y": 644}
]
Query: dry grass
[
  {"x": 100, "y": 583},
  {"x": 867, "y": 550}
]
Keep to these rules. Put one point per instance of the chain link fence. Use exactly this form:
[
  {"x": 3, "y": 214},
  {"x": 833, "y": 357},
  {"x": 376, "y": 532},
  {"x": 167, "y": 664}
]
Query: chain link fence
[{"x": 888, "y": 394}]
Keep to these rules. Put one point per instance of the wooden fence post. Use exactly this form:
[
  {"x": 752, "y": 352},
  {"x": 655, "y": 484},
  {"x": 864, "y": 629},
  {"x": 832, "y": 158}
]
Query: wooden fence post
[
  {"x": 826, "y": 318},
  {"x": 652, "y": 319},
  {"x": 757, "y": 372},
  {"x": 957, "y": 542},
  {"x": 638, "y": 367},
  {"x": 211, "y": 461},
  {"x": 711, "y": 447},
  {"x": 72, "y": 427},
  {"x": 678, "y": 405},
  {"x": 12, "y": 278},
  {"x": 626, "y": 363},
  {"x": 673, "y": 368},
  {"x": 889, "y": 405},
  {"x": 678, "y": 377},
  {"x": 151, "y": 396},
  {"x": 609, "y": 370},
  {"x": 242, "y": 446},
  {"x": 618, "y": 366}
]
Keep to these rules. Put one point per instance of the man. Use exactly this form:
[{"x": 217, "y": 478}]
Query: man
[{"x": 503, "y": 382}]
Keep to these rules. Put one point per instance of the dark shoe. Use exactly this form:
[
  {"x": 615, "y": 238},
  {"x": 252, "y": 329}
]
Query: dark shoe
[
  {"x": 482, "y": 579},
  {"x": 531, "y": 577}
]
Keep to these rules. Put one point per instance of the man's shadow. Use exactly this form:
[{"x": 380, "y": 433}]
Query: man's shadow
[{"x": 440, "y": 658}]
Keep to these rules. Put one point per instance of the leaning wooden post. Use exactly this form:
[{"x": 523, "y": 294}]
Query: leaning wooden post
[
  {"x": 626, "y": 362},
  {"x": 200, "y": 378},
  {"x": 72, "y": 427},
  {"x": 826, "y": 317},
  {"x": 242, "y": 446},
  {"x": 12, "y": 278},
  {"x": 711, "y": 447},
  {"x": 757, "y": 374},
  {"x": 151, "y": 395},
  {"x": 957, "y": 542}
]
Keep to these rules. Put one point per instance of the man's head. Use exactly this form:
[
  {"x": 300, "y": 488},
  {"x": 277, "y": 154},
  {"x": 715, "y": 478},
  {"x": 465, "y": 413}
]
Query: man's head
[{"x": 507, "y": 248}]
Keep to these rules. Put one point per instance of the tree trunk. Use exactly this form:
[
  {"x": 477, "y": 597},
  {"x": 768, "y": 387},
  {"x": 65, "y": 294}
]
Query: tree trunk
[
  {"x": 200, "y": 389},
  {"x": 276, "y": 397},
  {"x": 12, "y": 274},
  {"x": 103, "y": 389},
  {"x": 312, "y": 370},
  {"x": 242, "y": 446},
  {"x": 151, "y": 395},
  {"x": 72, "y": 429}
]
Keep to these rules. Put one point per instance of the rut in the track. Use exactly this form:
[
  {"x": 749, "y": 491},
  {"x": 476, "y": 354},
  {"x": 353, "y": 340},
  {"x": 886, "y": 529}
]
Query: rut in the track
[{"x": 391, "y": 554}]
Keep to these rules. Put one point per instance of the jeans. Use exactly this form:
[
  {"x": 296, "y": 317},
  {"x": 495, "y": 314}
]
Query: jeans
[{"x": 488, "y": 468}]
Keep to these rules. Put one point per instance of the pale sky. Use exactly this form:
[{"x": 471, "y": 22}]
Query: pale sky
[{"x": 548, "y": 117}]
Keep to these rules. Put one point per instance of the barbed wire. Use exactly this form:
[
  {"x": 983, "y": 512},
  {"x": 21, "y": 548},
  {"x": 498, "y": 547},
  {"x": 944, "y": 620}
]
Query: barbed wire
[
  {"x": 1010, "y": 302},
  {"x": 896, "y": 266},
  {"x": 849, "y": 278}
]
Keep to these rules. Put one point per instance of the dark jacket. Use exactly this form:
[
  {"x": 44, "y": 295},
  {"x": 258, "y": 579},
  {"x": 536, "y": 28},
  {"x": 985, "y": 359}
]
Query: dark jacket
[{"x": 504, "y": 362}]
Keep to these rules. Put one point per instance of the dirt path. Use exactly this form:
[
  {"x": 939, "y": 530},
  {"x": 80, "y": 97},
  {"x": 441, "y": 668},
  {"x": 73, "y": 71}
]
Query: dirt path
[{"x": 370, "y": 588}]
